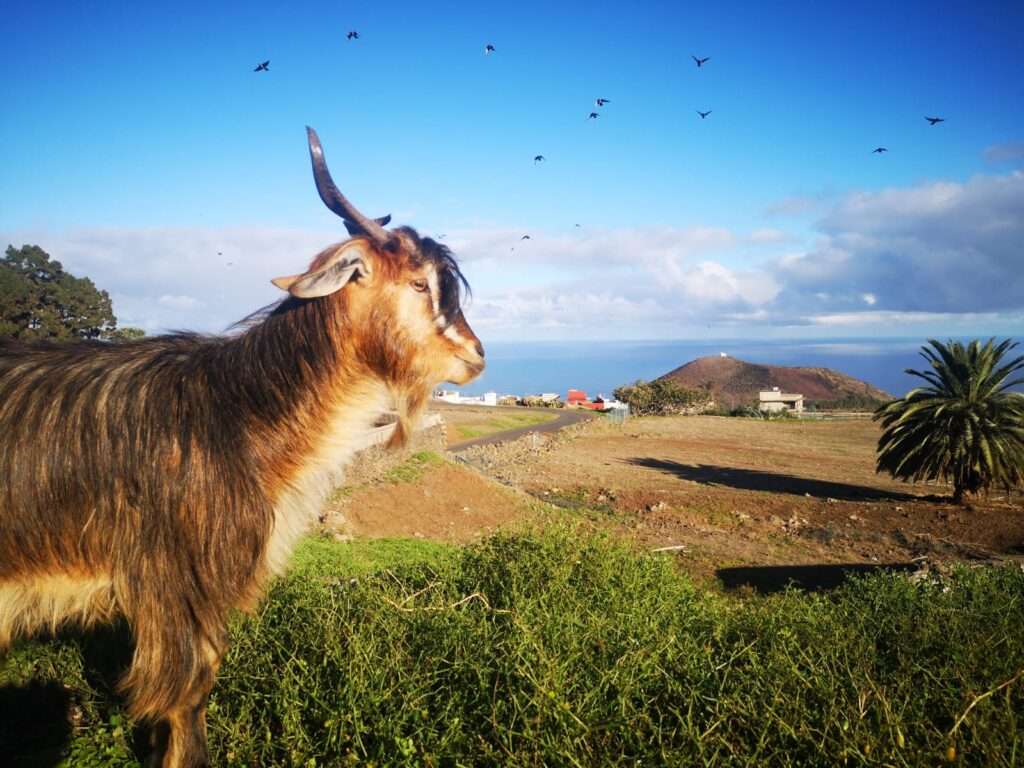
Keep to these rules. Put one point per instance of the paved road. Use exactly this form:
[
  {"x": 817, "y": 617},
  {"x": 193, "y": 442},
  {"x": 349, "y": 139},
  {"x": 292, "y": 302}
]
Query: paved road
[{"x": 564, "y": 419}]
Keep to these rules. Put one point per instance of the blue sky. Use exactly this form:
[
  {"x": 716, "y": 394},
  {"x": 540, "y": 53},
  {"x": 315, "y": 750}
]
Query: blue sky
[{"x": 138, "y": 143}]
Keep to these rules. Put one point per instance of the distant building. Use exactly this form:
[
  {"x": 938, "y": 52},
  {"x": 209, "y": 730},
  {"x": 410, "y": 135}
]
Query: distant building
[
  {"x": 548, "y": 397},
  {"x": 774, "y": 401},
  {"x": 448, "y": 396},
  {"x": 457, "y": 398},
  {"x": 576, "y": 397}
]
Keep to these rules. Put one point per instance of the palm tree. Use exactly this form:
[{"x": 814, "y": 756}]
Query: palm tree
[{"x": 966, "y": 427}]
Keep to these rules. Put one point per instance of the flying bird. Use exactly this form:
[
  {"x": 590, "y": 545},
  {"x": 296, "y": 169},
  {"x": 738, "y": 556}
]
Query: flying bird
[
  {"x": 593, "y": 116},
  {"x": 700, "y": 62},
  {"x": 602, "y": 102},
  {"x": 525, "y": 237},
  {"x": 263, "y": 66},
  {"x": 878, "y": 150},
  {"x": 703, "y": 115},
  {"x": 934, "y": 120},
  {"x": 538, "y": 159},
  {"x": 577, "y": 225},
  {"x": 352, "y": 35},
  {"x": 488, "y": 49}
]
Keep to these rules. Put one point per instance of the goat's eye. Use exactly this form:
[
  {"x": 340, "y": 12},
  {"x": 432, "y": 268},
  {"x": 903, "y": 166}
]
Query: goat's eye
[{"x": 420, "y": 285}]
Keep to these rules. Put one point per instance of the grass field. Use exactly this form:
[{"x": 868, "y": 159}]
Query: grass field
[{"x": 563, "y": 647}]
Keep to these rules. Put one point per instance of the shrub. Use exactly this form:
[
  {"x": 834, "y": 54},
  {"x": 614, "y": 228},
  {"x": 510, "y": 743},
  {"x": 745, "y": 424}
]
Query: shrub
[{"x": 662, "y": 397}]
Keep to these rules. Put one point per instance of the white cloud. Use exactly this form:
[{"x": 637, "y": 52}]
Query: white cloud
[
  {"x": 178, "y": 303},
  {"x": 199, "y": 279},
  {"x": 793, "y": 206},
  {"x": 768, "y": 236},
  {"x": 941, "y": 248},
  {"x": 941, "y": 253},
  {"x": 903, "y": 319}
]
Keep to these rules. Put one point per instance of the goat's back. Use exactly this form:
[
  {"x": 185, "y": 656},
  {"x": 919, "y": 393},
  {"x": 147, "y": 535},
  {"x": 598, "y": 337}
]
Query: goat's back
[{"x": 127, "y": 460}]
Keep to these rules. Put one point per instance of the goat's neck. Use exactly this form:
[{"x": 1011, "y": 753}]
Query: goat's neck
[
  {"x": 311, "y": 399},
  {"x": 313, "y": 403}
]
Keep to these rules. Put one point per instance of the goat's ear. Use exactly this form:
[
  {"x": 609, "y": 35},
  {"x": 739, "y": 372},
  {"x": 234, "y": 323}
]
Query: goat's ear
[{"x": 333, "y": 276}]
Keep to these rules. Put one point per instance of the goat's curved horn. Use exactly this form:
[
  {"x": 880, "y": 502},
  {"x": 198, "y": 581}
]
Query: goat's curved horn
[
  {"x": 354, "y": 229},
  {"x": 355, "y": 222}
]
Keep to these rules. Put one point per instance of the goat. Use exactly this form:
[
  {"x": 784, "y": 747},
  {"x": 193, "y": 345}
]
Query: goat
[{"x": 166, "y": 480}]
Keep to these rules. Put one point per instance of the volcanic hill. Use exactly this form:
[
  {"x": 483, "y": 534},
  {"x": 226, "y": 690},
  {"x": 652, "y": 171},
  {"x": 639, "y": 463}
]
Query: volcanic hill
[{"x": 735, "y": 382}]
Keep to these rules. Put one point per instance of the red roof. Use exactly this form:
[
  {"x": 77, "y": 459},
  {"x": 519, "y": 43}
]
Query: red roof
[{"x": 575, "y": 396}]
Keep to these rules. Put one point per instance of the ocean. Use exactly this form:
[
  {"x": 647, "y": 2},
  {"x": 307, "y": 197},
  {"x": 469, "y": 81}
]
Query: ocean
[{"x": 521, "y": 368}]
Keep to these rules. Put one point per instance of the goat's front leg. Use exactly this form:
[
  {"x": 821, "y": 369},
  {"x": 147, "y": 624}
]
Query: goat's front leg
[{"x": 169, "y": 683}]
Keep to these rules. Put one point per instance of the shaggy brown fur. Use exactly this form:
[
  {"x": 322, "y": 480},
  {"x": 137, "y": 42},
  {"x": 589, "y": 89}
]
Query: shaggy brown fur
[{"x": 167, "y": 479}]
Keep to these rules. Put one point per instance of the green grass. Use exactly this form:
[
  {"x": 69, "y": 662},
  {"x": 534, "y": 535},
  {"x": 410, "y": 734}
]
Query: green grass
[
  {"x": 502, "y": 423},
  {"x": 413, "y": 468},
  {"x": 329, "y": 558},
  {"x": 559, "y": 647}
]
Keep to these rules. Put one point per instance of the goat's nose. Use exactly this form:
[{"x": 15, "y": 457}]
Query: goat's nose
[{"x": 479, "y": 347}]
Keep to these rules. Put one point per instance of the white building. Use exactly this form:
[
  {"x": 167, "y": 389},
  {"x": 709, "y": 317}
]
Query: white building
[
  {"x": 774, "y": 401},
  {"x": 457, "y": 398}
]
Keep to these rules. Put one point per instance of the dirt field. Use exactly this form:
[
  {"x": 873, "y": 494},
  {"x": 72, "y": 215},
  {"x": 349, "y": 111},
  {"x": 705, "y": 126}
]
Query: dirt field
[{"x": 727, "y": 492}]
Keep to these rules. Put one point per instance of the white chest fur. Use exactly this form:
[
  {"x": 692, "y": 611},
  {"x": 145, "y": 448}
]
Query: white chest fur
[{"x": 296, "y": 510}]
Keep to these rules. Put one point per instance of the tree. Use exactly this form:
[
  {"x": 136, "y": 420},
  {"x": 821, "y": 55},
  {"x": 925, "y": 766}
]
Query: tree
[
  {"x": 966, "y": 427},
  {"x": 662, "y": 397},
  {"x": 128, "y": 333},
  {"x": 39, "y": 300}
]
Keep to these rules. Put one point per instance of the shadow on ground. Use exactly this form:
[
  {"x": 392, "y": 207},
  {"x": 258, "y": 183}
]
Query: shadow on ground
[
  {"x": 37, "y": 719},
  {"x": 767, "y": 579},
  {"x": 776, "y": 482}
]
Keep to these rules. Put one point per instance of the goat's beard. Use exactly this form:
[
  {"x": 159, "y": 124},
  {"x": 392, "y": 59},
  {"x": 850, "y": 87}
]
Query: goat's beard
[{"x": 410, "y": 405}]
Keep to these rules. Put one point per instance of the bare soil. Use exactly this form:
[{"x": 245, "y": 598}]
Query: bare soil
[
  {"x": 449, "y": 503},
  {"x": 725, "y": 492}
]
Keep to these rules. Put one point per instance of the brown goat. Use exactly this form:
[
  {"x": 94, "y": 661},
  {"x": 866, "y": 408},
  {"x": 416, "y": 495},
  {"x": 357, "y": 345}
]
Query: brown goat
[{"x": 166, "y": 480}]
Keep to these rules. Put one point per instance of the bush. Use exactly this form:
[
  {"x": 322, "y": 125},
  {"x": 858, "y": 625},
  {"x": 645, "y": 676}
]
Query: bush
[
  {"x": 662, "y": 397},
  {"x": 535, "y": 401}
]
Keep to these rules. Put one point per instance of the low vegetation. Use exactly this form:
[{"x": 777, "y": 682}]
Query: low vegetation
[
  {"x": 662, "y": 397},
  {"x": 412, "y": 469},
  {"x": 850, "y": 402},
  {"x": 564, "y": 648}
]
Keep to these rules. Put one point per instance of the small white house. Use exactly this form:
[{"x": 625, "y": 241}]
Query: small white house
[
  {"x": 448, "y": 396},
  {"x": 457, "y": 398},
  {"x": 774, "y": 401},
  {"x": 548, "y": 397}
]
